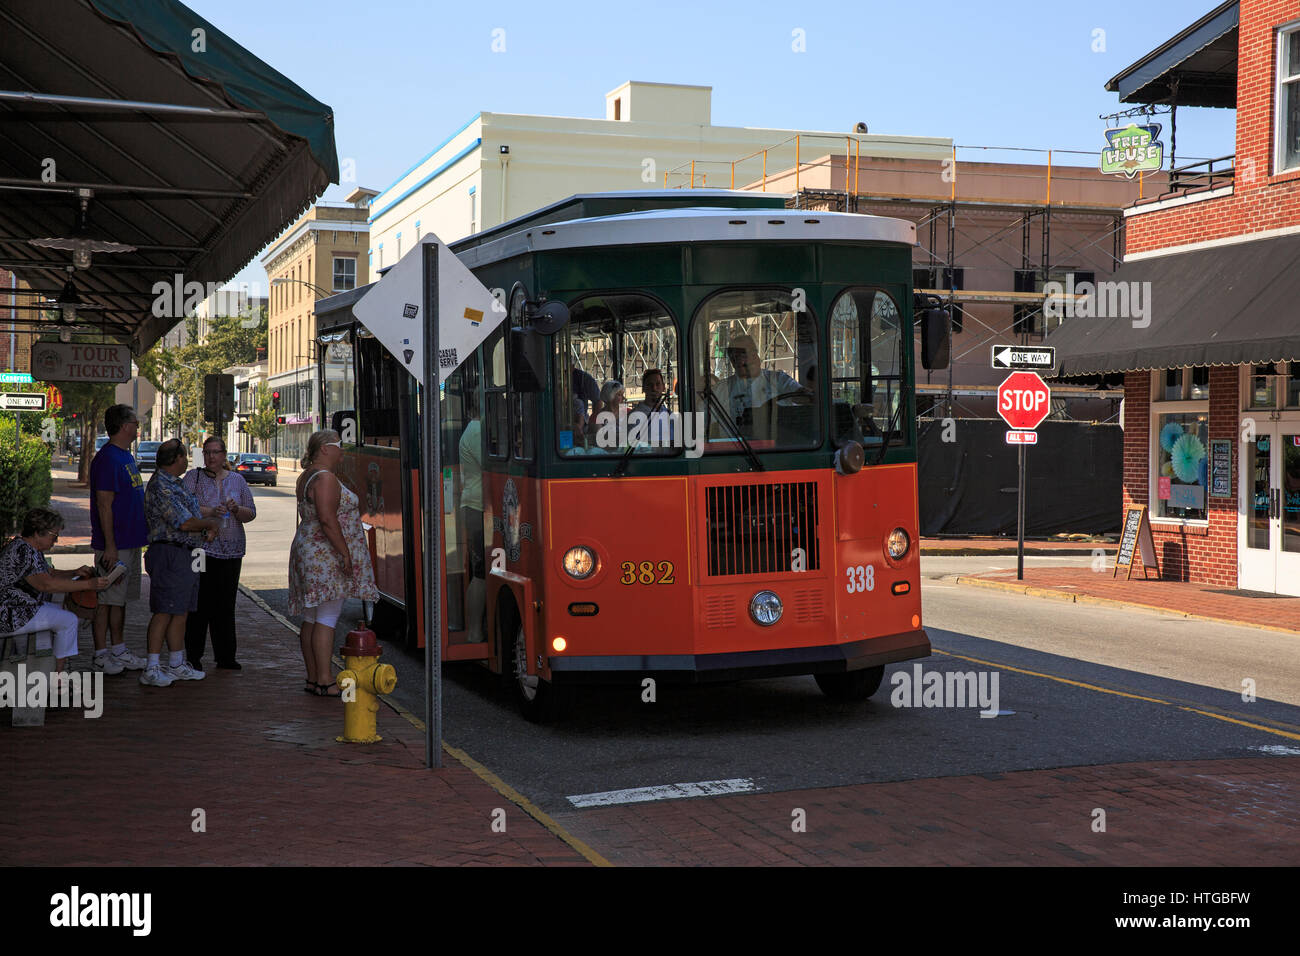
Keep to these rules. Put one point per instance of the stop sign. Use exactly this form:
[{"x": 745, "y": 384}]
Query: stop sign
[{"x": 1023, "y": 400}]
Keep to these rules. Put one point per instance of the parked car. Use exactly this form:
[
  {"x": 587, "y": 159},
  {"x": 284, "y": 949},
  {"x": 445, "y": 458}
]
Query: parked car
[
  {"x": 146, "y": 455},
  {"x": 256, "y": 469},
  {"x": 100, "y": 442}
]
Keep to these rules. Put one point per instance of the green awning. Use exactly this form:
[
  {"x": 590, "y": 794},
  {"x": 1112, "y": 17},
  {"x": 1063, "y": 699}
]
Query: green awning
[{"x": 182, "y": 143}]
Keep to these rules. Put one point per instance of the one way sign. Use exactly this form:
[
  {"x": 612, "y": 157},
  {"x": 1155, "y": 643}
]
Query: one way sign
[{"x": 1015, "y": 357}]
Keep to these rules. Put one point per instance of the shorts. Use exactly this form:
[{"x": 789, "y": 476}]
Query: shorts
[
  {"x": 173, "y": 582},
  {"x": 127, "y": 587}
]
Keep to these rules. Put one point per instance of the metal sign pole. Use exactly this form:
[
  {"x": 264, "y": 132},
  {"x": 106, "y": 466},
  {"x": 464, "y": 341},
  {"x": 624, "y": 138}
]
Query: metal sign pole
[
  {"x": 431, "y": 486},
  {"x": 1020, "y": 520}
]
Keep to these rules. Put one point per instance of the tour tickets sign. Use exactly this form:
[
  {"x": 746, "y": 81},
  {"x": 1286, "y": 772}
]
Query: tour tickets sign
[
  {"x": 1132, "y": 149},
  {"x": 75, "y": 362}
]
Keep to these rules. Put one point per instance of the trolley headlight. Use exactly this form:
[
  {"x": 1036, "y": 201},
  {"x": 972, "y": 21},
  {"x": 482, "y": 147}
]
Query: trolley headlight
[
  {"x": 765, "y": 608},
  {"x": 897, "y": 543},
  {"x": 580, "y": 562}
]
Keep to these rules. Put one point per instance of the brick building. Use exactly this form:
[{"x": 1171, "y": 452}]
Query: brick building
[{"x": 1212, "y": 372}]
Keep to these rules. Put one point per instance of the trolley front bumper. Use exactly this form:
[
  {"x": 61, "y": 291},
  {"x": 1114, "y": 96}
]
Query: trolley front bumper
[{"x": 744, "y": 665}]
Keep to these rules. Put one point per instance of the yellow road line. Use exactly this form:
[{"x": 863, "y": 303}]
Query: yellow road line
[
  {"x": 1290, "y": 735},
  {"x": 486, "y": 775},
  {"x": 503, "y": 788}
]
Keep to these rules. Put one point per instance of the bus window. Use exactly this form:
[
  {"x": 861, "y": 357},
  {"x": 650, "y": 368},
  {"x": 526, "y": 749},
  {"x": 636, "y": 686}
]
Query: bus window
[
  {"x": 462, "y": 457},
  {"x": 610, "y": 348},
  {"x": 337, "y": 388},
  {"x": 866, "y": 362},
  {"x": 380, "y": 381},
  {"x": 523, "y": 419},
  {"x": 757, "y": 358},
  {"x": 496, "y": 410}
]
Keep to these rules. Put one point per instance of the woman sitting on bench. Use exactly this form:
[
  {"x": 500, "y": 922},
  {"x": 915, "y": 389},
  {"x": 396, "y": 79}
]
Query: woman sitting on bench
[{"x": 26, "y": 580}]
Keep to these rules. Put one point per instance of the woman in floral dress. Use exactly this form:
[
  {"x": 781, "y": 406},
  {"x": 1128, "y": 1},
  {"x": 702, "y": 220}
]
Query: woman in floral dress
[{"x": 328, "y": 561}]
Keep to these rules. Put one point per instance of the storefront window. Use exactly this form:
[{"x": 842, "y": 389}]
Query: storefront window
[
  {"x": 1184, "y": 385},
  {"x": 1263, "y": 387},
  {"x": 1181, "y": 465},
  {"x": 1293, "y": 386}
]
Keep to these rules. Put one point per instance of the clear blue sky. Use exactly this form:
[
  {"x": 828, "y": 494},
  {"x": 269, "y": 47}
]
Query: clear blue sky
[{"x": 401, "y": 75}]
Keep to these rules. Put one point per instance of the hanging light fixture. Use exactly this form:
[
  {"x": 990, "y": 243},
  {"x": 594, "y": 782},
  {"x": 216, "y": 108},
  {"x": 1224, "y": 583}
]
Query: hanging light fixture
[{"x": 81, "y": 243}]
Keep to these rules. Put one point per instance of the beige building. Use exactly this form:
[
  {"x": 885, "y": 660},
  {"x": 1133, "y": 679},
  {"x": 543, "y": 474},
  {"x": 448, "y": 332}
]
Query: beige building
[
  {"x": 502, "y": 165},
  {"x": 324, "y": 252}
]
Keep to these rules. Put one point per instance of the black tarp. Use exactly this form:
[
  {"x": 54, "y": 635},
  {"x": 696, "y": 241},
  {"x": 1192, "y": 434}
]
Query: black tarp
[{"x": 968, "y": 485}]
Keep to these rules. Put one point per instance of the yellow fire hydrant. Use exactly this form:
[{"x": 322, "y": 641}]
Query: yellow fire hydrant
[{"x": 361, "y": 681}]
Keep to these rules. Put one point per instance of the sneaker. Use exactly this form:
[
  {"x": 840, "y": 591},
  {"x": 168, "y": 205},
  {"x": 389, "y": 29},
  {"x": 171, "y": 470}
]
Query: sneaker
[
  {"x": 131, "y": 662},
  {"x": 156, "y": 677},
  {"x": 107, "y": 663},
  {"x": 183, "y": 671}
]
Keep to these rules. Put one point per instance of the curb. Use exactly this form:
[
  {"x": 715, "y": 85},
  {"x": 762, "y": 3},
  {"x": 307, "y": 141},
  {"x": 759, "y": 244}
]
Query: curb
[
  {"x": 1011, "y": 552},
  {"x": 465, "y": 760},
  {"x": 1072, "y": 598}
]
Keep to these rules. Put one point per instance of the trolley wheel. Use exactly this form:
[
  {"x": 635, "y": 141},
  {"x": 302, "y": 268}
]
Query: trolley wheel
[
  {"x": 536, "y": 697},
  {"x": 851, "y": 685}
]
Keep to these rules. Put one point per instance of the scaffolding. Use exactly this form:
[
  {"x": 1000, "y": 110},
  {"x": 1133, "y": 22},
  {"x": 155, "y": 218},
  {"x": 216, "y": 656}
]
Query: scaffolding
[{"x": 1054, "y": 235}]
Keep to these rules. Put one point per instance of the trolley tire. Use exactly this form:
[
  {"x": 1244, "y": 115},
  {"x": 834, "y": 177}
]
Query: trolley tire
[
  {"x": 851, "y": 685},
  {"x": 536, "y": 697}
]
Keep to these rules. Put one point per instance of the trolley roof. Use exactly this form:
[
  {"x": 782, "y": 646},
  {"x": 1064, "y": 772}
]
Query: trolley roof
[{"x": 694, "y": 224}]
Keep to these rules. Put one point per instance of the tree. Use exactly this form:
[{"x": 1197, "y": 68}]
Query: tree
[
  {"x": 231, "y": 340},
  {"x": 90, "y": 401},
  {"x": 261, "y": 425}
]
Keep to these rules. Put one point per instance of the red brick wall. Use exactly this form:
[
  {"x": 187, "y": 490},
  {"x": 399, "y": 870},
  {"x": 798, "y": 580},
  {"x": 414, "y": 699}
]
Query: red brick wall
[
  {"x": 1260, "y": 200},
  {"x": 1205, "y": 555}
]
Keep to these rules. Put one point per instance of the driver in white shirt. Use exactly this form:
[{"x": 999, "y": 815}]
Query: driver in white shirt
[{"x": 752, "y": 387}]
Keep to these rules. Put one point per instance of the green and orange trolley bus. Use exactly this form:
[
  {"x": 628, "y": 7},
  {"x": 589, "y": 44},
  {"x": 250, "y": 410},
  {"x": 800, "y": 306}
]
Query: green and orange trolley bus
[{"x": 762, "y": 521}]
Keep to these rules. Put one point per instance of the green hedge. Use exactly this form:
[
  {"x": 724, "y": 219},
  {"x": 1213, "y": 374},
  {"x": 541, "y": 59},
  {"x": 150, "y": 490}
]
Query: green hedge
[{"x": 25, "y": 480}]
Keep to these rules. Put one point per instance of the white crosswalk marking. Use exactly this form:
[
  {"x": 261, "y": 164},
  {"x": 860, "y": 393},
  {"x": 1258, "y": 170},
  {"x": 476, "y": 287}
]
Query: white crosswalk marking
[{"x": 672, "y": 791}]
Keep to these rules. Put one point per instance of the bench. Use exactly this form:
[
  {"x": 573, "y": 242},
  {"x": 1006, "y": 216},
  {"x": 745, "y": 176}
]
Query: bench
[{"x": 38, "y": 654}]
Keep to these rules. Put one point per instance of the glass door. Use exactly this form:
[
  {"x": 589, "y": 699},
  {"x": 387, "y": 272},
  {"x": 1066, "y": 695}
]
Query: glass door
[
  {"x": 1269, "y": 511},
  {"x": 1288, "y": 509}
]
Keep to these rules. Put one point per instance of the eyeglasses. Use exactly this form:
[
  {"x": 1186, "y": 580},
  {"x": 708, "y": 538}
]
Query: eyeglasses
[
  {"x": 334, "y": 444},
  {"x": 214, "y": 451}
]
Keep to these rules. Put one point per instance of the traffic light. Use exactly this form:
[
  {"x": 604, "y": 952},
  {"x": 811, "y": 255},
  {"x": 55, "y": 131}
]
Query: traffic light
[
  {"x": 280, "y": 419},
  {"x": 275, "y": 401}
]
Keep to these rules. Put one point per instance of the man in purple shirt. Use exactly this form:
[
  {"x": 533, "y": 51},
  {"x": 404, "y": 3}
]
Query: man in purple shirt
[{"x": 117, "y": 533}]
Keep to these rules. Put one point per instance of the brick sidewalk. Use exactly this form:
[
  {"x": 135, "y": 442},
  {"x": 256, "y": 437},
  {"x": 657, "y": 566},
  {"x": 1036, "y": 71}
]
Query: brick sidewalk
[
  {"x": 258, "y": 756},
  {"x": 73, "y": 502},
  {"x": 1199, "y": 813},
  {"x": 1083, "y": 585}
]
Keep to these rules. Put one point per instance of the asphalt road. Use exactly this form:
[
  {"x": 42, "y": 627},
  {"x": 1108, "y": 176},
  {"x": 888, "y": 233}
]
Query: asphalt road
[{"x": 1077, "y": 685}]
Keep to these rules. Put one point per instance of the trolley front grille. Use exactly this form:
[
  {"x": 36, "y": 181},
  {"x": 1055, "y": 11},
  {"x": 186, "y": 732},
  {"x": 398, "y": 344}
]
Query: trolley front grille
[{"x": 755, "y": 529}]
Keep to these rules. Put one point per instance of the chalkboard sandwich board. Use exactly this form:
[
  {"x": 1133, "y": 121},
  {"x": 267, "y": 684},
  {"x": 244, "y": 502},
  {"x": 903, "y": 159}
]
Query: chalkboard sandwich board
[{"x": 1136, "y": 541}]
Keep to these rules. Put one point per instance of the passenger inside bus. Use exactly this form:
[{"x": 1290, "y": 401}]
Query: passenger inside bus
[
  {"x": 471, "y": 510},
  {"x": 749, "y": 396}
]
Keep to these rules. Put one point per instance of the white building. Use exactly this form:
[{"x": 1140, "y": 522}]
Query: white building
[{"x": 502, "y": 165}]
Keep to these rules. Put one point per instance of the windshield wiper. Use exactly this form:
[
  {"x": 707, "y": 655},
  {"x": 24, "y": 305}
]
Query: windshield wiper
[
  {"x": 627, "y": 455},
  {"x": 889, "y": 430},
  {"x": 734, "y": 429}
]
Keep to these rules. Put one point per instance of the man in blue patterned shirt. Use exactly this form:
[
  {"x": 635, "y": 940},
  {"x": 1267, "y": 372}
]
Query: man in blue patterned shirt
[{"x": 174, "y": 561}]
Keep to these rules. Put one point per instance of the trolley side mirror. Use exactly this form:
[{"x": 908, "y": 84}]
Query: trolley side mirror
[
  {"x": 936, "y": 338},
  {"x": 528, "y": 355}
]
